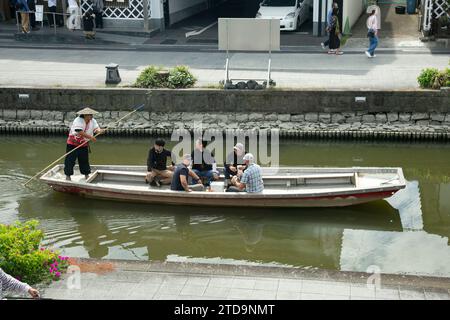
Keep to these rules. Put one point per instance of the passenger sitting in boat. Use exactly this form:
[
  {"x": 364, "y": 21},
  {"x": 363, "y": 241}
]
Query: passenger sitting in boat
[
  {"x": 235, "y": 161},
  {"x": 251, "y": 180},
  {"x": 81, "y": 133},
  {"x": 157, "y": 171},
  {"x": 204, "y": 162},
  {"x": 181, "y": 175}
]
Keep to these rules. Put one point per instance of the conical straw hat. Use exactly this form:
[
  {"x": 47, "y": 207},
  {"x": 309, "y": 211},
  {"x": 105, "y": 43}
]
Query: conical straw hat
[{"x": 87, "y": 111}]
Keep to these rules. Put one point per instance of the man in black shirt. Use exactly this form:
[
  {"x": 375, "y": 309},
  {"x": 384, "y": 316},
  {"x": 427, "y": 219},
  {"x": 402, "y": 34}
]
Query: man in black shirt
[
  {"x": 157, "y": 171},
  {"x": 235, "y": 161},
  {"x": 203, "y": 162}
]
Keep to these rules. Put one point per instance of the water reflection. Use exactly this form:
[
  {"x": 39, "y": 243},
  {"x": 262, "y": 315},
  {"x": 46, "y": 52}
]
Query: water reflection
[{"x": 299, "y": 237}]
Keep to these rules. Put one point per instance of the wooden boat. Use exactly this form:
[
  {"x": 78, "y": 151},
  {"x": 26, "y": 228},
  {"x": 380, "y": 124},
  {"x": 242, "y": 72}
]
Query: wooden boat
[{"x": 283, "y": 187}]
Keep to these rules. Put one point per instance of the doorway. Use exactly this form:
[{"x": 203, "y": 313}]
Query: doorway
[{"x": 166, "y": 13}]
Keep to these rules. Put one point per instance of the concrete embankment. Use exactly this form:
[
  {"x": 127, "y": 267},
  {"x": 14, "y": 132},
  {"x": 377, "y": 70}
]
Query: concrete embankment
[
  {"x": 299, "y": 114},
  {"x": 121, "y": 279}
]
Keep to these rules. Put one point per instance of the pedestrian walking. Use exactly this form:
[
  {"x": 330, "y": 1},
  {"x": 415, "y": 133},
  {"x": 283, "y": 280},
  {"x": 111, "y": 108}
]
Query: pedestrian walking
[
  {"x": 335, "y": 34},
  {"x": 74, "y": 21},
  {"x": 22, "y": 7},
  {"x": 88, "y": 25},
  {"x": 372, "y": 34},
  {"x": 98, "y": 6},
  {"x": 32, "y": 6},
  {"x": 326, "y": 43}
]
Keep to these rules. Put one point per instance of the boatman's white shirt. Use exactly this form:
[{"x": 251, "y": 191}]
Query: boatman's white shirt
[{"x": 80, "y": 124}]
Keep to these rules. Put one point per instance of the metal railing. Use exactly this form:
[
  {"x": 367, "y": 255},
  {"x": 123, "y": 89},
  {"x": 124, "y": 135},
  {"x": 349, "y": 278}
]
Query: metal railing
[{"x": 54, "y": 14}]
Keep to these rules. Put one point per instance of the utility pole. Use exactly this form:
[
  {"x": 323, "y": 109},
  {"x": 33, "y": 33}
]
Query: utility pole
[{"x": 145, "y": 4}]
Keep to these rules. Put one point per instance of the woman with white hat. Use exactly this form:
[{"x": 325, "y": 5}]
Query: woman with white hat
[{"x": 81, "y": 132}]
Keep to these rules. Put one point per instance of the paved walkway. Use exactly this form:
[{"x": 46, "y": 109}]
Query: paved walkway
[
  {"x": 86, "y": 68},
  {"x": 119, "y": 279}
]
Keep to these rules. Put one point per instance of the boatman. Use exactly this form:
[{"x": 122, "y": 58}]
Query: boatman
[
  {"x": 83, "y": 129},
  {"x": 251, "y": 180}
]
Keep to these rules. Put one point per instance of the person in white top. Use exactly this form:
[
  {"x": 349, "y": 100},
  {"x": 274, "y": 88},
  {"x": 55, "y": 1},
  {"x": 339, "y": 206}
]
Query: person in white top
[
  {"x": 83, "y": 129},
  {"x": 11, "y": 284},
  {"x": 372, "y": 33},
  {"x": 74, "y": 21}
]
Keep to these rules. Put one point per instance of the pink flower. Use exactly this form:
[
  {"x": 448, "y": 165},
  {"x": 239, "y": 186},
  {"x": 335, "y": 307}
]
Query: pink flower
[
  {"x": 58, "y": 274},
  {"x": 42, "y": 249},
  {"x": 51, "y": 270}
]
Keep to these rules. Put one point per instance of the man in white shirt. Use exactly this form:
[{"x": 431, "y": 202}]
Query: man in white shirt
[
  {"x": 83, "y": 129},
  {"x": 372, "y": 33}
]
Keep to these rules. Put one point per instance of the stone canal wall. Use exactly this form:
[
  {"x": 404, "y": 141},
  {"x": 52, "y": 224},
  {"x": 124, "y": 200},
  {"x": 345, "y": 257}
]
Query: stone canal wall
[{"x": 298, "y": 114}]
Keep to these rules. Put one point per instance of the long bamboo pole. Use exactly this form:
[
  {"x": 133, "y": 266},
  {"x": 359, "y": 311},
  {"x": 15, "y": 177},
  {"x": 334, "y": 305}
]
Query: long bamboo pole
[{"x": 64, "y": 155}]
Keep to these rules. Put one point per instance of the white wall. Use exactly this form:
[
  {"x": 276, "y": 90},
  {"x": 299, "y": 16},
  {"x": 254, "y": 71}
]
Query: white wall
[
  {"x": 352, "y": 10},
  {"x": 156, "y": 9}
]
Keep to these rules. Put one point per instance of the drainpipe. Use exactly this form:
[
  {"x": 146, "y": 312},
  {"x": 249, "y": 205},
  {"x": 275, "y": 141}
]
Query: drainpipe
[{"x": 145, "y": 4}]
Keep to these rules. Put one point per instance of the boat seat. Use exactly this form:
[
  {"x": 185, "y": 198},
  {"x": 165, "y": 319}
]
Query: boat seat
[{"x": 312, "y": 179}]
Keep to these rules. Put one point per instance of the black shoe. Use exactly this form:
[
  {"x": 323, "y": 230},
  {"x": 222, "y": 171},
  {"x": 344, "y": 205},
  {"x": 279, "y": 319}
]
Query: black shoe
[{"x": 35, "y": 29}]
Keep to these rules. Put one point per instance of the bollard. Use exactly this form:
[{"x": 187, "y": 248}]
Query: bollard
[{"x": 112, "y": 74}]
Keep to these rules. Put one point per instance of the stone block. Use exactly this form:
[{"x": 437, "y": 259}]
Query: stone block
[
  {"x": 404, "y": 117},
  {"x": 355, "y": 119},
  {"x": 337, "y": 118},
  {"x": 368, "y": 118},
  {"x": 23, "y": 114},
  {"x": 349, "y": 114},
  {"x": 420, "y": 116},
  {"x": 312, "y": 117},
  {"x": 9, "y": 114},
  {"x": 284, "y": 117},
  {"x": 36, "y": 114},
  {"x": 175, "y": 116},
  {"x": 381, "y": 118},
  {"x": 298, "y": 118},
  {"x": 241, "y": 117},
  {"x": 324, "y": 117},
  {"x": 58, "y": 115},
  {"x": 447, "y": 118},
  {"x": 437, "y": 117},
  {"x": 392, "y": 116},
  {"x": 422, "y": 122},
  {"x": 271, "y": 117},
  {"x": 256, "y": 117}
]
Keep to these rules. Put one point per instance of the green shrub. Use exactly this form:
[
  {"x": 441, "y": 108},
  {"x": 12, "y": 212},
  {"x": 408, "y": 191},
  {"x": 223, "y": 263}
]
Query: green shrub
[
  {"x": 447, "y": 71},
  {"x": 427, "y": 77},
  {"x": 21, "y": 256},
  {"x": 181, "y": 77},
  {"x": 149, "y": 78},
  {"x": 441, "y": 79}
]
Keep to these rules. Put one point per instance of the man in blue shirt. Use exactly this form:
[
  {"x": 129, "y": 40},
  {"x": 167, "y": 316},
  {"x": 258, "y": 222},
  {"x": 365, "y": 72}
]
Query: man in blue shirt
[
  {"x": 329, "y": 16},
  {"x": 251, "y": 180}
]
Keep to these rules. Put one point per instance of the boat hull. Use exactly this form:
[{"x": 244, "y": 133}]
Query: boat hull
[
  {"x": 326, "y": 201},
  {"x": 129, "y": 187}
]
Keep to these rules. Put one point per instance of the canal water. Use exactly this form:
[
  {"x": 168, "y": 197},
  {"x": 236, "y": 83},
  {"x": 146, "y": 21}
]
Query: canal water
[{"x": 406, "y": 234}]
